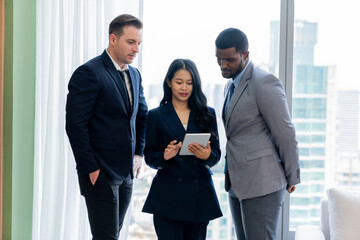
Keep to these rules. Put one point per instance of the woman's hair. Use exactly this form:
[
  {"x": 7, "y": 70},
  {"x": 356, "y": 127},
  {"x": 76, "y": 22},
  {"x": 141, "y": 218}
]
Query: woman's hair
[{"x": 197, "y": 101}]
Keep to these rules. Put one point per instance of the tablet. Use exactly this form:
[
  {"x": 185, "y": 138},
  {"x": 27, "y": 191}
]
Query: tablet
[{"x": 200, "y": 138}]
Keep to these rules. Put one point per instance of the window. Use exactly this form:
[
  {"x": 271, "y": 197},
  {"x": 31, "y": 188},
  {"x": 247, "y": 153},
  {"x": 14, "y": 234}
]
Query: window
[
  {"x": 325, "y": 102},
  {"x": 309, "y": 126},
  {"x": 223, "y": 222}
]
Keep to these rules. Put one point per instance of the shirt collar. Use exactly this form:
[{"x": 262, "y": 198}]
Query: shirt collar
[
  {"x": 117, "y": 65},
  {"x": 238, "y": 77}
]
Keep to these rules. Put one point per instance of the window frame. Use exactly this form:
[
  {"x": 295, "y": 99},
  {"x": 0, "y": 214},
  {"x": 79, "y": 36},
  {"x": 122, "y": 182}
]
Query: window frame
[{"x": 286, "y": 45}]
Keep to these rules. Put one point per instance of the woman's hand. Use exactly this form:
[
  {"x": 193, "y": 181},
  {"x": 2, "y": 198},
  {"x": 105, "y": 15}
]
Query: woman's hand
[
  {"x": 172, "y": 149},
  {"x": 199, "y": 151}
]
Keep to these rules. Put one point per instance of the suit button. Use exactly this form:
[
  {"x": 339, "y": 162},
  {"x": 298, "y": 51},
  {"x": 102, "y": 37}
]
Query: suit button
[
  {"x": 180, "y": 179},
  {"x": 196, "y": 181}
]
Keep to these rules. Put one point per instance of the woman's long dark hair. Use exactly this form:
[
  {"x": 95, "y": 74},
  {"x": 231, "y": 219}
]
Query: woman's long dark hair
[{"x": 197, "y": 101}]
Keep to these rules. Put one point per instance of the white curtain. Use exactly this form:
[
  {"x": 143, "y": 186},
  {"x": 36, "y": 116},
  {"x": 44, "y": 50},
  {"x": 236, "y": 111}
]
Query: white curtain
[{"x": 68, "y": 34}]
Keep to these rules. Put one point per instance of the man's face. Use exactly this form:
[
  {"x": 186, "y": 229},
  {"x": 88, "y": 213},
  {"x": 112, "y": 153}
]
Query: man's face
[
  {"x": 124, "y": 48},
  {"x": 231, "y": 62}
]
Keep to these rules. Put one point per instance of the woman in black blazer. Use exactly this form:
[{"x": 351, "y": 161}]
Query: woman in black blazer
[{"x": 182, "y": 197}]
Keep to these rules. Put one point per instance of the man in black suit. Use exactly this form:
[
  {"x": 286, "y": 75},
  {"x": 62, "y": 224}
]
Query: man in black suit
[{"x": 105, "y": 121}]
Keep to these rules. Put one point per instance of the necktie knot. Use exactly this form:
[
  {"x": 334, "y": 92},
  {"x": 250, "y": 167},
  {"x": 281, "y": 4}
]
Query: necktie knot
[{"x": 122, "y": 74}]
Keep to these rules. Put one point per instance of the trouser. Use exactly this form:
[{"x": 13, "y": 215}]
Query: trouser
[
  {"x": 107, "y": 202},
  {"x": 167, "y": 229},
  {"x": 256, "y": 218}
]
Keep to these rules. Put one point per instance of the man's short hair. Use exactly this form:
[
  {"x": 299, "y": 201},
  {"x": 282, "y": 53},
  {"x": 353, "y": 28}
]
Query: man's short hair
[
  {"x": 116, "y": 26},
  {"x": 232, "y": 37}
]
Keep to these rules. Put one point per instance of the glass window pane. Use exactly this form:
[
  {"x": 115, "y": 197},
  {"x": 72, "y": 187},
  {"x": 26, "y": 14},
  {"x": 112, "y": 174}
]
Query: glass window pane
[{"x": 325, "y": 102}]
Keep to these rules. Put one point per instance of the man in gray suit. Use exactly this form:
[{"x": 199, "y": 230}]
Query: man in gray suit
[{"x": 262, "y": 160}]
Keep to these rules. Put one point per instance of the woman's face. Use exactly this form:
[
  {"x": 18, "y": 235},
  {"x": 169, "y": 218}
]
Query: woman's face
[{"x": 181, "y": 86}]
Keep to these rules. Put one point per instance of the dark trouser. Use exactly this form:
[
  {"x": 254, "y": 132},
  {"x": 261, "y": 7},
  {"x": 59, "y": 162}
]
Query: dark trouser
[
  {"x": 107, "y": 202},
  {"x": 256, "y": 218},
  {"x": 167, "y": 229}
]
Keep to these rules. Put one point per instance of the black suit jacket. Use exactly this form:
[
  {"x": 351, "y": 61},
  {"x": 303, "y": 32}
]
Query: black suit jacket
[
  {"x": 182, "y": 188},
  {"x": 103, "y": 130}
]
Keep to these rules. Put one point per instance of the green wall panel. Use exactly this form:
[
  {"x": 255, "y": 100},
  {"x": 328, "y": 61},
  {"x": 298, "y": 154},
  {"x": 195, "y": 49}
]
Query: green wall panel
[{"x": 19, "y": 114}]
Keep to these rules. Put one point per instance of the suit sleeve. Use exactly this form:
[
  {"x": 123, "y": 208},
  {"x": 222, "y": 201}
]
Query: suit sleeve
[
  {"x": 141, "y": 119},
  {"x": 83, "y": 90},
  {"x": 271, "y": 99},
  {"x": 154, "y": 154},
  {"x": 214, "y": 143}
]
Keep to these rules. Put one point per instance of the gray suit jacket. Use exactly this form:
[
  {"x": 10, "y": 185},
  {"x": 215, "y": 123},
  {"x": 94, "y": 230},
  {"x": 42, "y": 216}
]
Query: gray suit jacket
[{"x": 261, "y": 149}]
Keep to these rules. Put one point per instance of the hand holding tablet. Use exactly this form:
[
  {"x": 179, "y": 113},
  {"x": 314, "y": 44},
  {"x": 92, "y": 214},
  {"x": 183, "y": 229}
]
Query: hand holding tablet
[{"x": 190, "y": 138}]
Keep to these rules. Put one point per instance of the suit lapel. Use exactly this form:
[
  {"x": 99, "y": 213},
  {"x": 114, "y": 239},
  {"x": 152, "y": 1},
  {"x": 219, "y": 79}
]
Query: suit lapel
[
  {"x": 172, "y": 121},
  {"x": 238, "y": 92},
  {"x": 191, "y": 127},
  {"x": 115, "y": 75}
]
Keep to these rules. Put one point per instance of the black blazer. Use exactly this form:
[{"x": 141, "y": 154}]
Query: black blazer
[
  {"x": 103, "y": 130},
  {"x": 182, "y": 188}
]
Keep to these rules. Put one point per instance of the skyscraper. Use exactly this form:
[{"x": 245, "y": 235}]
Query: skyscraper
[
  {"x": 310, "y": 113},
  {"x": 347, "y": 163}
]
